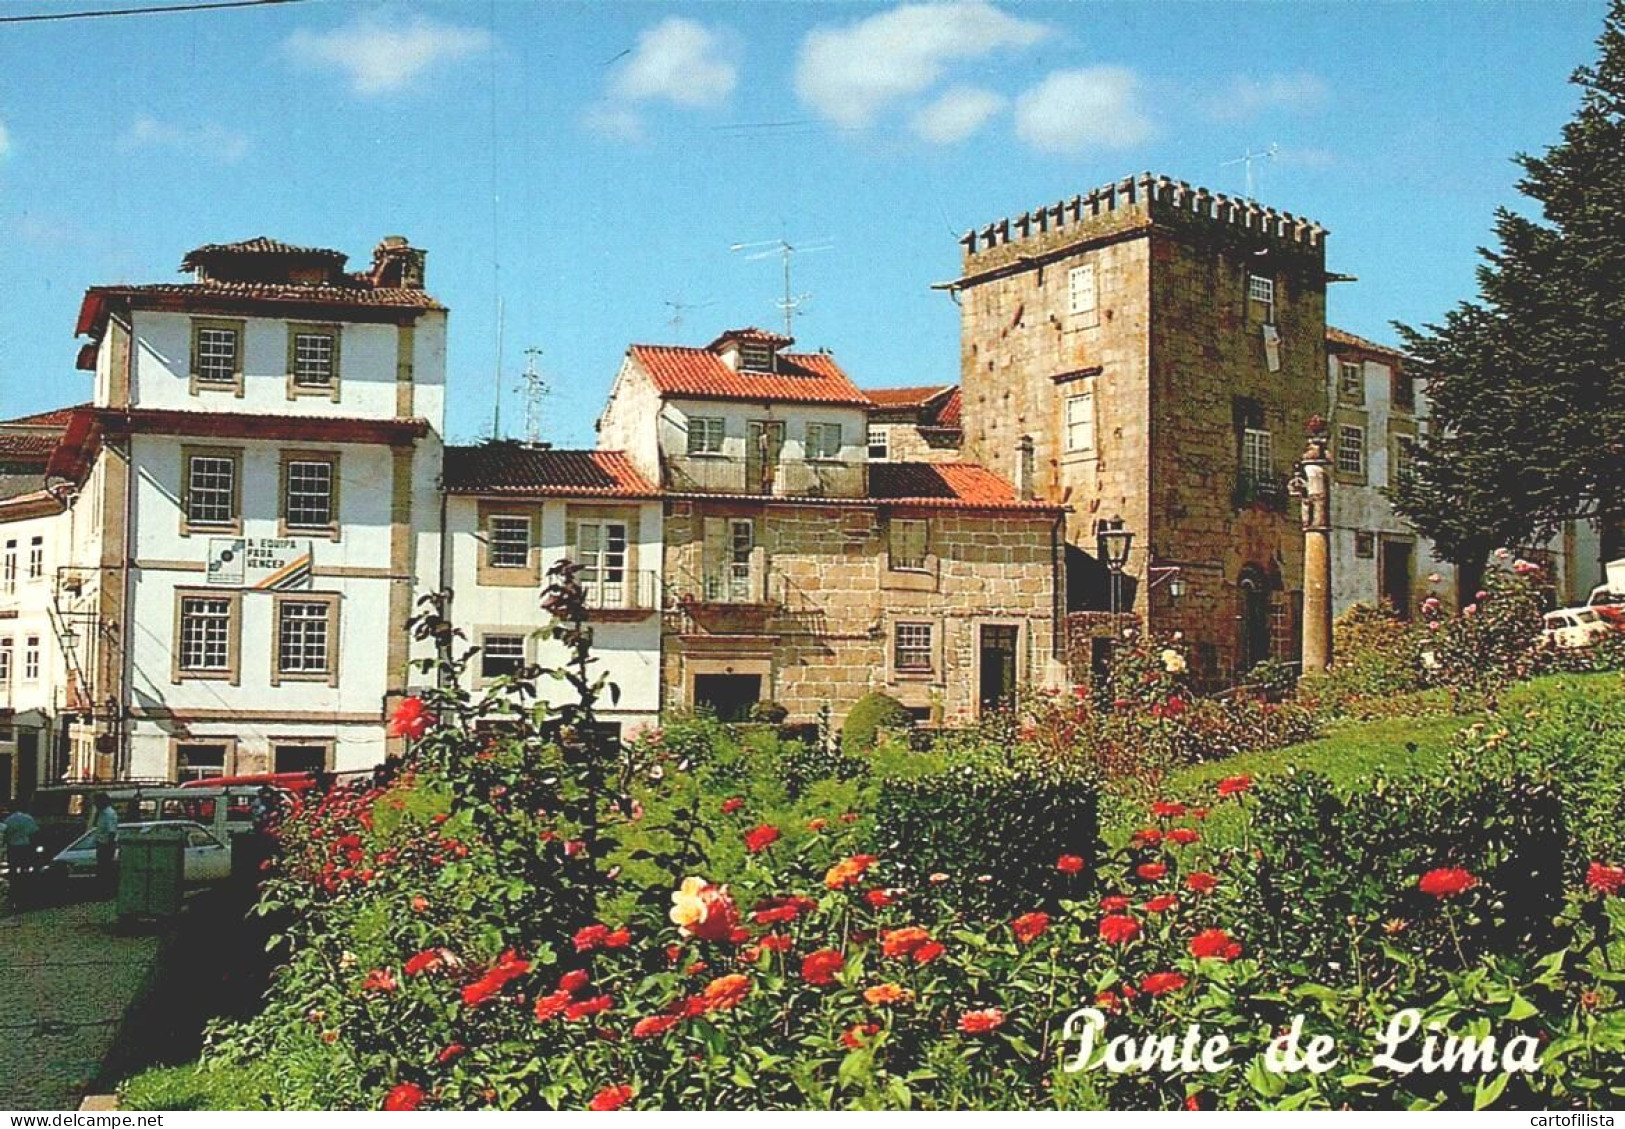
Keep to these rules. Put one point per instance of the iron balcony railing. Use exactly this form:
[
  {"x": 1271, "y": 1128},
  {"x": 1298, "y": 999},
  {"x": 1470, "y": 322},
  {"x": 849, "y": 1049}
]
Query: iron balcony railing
[
  {"x": 738, "y": 583},
  {"x": 721, "y": 474},
  {"x": 620, "y": 589},
  {"x": 1261, "y": 488}
]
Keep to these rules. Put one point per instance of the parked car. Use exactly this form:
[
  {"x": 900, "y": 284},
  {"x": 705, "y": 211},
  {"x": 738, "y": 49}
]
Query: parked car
[
  {"x": 207, "y": 859},
  {"x": 1576, "y": 627}
]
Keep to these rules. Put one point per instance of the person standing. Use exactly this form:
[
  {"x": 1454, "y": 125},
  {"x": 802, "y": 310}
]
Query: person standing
[
  {"x": 104, "y": 828},
  {"x": 18, "y": 830}
]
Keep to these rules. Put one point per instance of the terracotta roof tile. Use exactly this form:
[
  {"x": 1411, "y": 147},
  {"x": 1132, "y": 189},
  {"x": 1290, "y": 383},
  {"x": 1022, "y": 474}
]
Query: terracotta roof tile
[
  {"x": 754, "y": 334},
  {"x": 1343, "y": 337},
  {"x": 92, "y": 313},
  {"x": 260, "y": 245},
  {"x": 54, "y": 418},
  {"x": 509, "y": 468},
  {"x": 807, "y": 378},
  {"x": 963, "y": 485},
  {"x": 917, "y": 397},
  {"x": 948, "y": 415},
  {"x": 26, "y": 448}
]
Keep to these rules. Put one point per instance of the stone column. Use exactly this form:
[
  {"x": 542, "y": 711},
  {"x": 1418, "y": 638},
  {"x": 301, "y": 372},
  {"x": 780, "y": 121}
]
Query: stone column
[{"x": 1314, "y": 494}]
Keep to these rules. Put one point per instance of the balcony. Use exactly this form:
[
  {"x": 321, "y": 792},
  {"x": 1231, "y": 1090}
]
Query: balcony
[
  {"x": 734, "y": 599},
  {"x": 721, "y": 474},
  {"x": 620, "y": 594},
  {"x": 1258, "y": 489}
]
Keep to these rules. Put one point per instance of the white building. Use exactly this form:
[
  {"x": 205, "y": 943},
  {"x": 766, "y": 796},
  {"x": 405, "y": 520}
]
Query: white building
[
  {"x": 1376, "y": 411},
  {"x": 267, "y": 501},
  {"x": 512, "y": 512}
]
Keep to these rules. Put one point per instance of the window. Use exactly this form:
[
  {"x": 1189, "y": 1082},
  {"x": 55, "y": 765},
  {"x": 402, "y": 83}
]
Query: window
[
  {"x": 5, "y": 662},
  {"x": 913, "y": 647},
  {"x": 879, "y": 444},
  {"x": 36, "y": 558},
  {"x": 1351, "y": 450},
  {"x": 302, "y": 757},
  {"x": 501, "y": 654},
  {"x": 211, "y": 489},
  {"x": 1351, "y": 382},
  {"x": 304, "y": 637},
  {"x": 206, "y": 630},
  {"x": 1261, "y": 295},
  {"x": 1257, "y": 458},
  {"x": 1080, "y": 289},
  {"x": 1080, "y": 421},
  {"x": 1404, "y": 458},
  {"x": 31, "y": 659},
  {"x": 704, "y": 436},
  {"x": 9, "y": 577},
  {"x": 823, "y": 440},
  {"x": 1365, "y": 545},
  {"x": 755, "y": 356},
  {"x": 199, "y": 762},
  {"x": 217, "y": 354},
  {"x": 1402, "y": 390},
  {"x": 313, "y": 358},
  {"x": 308, "y": 491},
  {"x": 510, "y": 541},
  {"x": 741, "y": 547},
  {"x": 908, "y": 537},
  {"x": 601, "y": 551}
]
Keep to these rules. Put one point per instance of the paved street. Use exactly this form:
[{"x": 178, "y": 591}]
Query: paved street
[{"x": 66, "y": 978}]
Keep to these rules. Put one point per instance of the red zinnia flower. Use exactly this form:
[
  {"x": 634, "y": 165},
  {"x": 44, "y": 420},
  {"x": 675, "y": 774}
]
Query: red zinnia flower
[
  {"x": 854, "y": 1036},
  {"x": 722, "y": 993},
  {"x": 654, "y": 1025},
  {"x": 379, "y": 980},
  {"x": 903, "y": 942},
  {"x": 551, "y": 1005},
  {"x": 1234, "y": 785},
  {"x": 981, "y": 1022},
  {"x": 732, "y": 804},
  {"x": 452, "y": 1051},
  {"x": 882, "y": 994},
  {"x": 589, "y": 937},
  {"x": 574, "y": 980},
  {"x": 1151, "y": 871},
  {"x": 406, "y": 1096},
  {"x": 1161, "y": 983},
  {"x": 411, "y": 719},
  {"x": 928, "y": 952},
  {"x": 820, "y": 967},
  {"x": 1184, "y": 836},
  {"x": 1168, "y": 809},
  {"x": 1069, "y": 864},
  {"x": 425, "y": 961},
  {"x": 1214, "y": 943},
  {"x": 618, "y": 938},
  {"x": 777, "y": 942},
  {"x": 1114, "y": 903},
  {"x": 508, "y": 967},
  {"x": 761, "y": 837},
  {"x": 1118, "y": 930},
  {"x": 1446, "y": 882},
  {"x": 848, "y": 871},
  {"x": 610, "y": 1098},
  {"x": 1605, "y": 879},
  {"x": 1162, "y": 903},
  {"x": 585, "y": 1008},
  {"x": 1147, "y": 836},
  {"x": 1201, "y": 881},
  {"x": 816, "y": 825},
  {"x": 879, "y": 899},
  {"x": 1029, "y": 927}
]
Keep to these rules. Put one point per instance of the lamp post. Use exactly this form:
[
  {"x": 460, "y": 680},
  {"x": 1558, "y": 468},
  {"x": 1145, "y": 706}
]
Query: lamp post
[{"x": 1112, "y": 543}]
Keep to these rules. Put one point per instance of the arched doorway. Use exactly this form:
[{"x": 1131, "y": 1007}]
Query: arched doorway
[{"x": 1255, "y": 616}]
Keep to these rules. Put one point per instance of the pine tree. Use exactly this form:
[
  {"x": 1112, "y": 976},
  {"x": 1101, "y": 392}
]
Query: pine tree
[{"x": 1527, "y": 383}]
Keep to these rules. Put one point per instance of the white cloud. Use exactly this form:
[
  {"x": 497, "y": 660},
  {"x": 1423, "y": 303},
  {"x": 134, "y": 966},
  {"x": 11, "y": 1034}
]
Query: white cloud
[
  {"x": 1074, "y": 110},
  {"x": 207, "y": 140},
  {"x": 678, "y": 60},
  {"x": 956, "y": 115},
  {"x": 5, "y": 142},
  {"x": 1246, "y": 98},
  {"x": 609, "y": 120},
  {"x": 848, "y": 74},
  {"x": 381, "y": 55}
]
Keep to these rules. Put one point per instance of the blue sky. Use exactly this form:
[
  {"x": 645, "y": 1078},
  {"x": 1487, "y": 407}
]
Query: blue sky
[{"x": 591, "y": 164}]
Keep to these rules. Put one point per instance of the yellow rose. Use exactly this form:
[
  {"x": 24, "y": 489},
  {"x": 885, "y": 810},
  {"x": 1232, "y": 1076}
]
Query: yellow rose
[
  {"x": 1172, "y": 661},
  {"x": 688, "y": 903}
]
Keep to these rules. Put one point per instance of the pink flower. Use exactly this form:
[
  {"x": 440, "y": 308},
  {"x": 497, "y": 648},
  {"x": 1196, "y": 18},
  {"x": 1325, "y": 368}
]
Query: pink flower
[{"x": 411, "y": 719}]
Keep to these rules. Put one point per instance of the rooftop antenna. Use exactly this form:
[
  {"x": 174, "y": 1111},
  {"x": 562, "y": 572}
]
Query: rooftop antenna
[
  {"x": 678, "y": 309},
  {"x": 785, "y": 250},
  {"x": 1248, "y": 158},
  {"x": 535, "y": 386},
  {"x": 496, "y": 379}
]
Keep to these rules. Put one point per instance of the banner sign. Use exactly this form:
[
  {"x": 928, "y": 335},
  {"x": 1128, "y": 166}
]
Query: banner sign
[{"x": 269, "y": 564}]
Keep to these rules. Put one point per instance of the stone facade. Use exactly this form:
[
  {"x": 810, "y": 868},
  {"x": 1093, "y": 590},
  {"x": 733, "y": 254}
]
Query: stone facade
[
  {"x": 821, "y": 627},
  {"x": 1152, "y": 354}
]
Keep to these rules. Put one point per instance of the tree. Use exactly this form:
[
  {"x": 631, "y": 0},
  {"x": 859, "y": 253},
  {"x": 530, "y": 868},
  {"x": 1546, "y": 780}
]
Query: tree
[{"x": 1527, "y": 383}]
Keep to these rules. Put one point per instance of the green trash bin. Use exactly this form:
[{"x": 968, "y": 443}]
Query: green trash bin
[{"x": 151, "y": 872}]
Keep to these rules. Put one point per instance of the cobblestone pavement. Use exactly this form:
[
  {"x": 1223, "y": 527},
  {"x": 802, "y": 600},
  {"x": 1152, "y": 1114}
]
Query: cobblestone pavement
[{"x": 66, "y": 978}]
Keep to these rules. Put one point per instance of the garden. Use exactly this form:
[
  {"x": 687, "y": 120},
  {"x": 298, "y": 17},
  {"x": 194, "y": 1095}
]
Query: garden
[{"x": 1412, "y": 864}]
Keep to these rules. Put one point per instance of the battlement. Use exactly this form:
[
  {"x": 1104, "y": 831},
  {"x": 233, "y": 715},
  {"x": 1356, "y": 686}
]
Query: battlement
[{"x": 1131, "y": 202}]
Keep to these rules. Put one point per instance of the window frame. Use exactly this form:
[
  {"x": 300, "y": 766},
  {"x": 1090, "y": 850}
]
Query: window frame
[
  {"x": 7, "y": 642},
  {"x": 495, "y": 545},
  {"x": 752, "y": 352},
  {"x": 598, "y": 589},
  {"x": 702, "y": 428},
  {"x": 1074, "y": 292},
  {"x": 900, "y": 563},
  {"x": 227, "y": 755},
  {"x": 232, "y": 455},
  {"x": 1346, "y": 392},
  {"x": 237, "y": 326},
  {"x": 232, "y": 671},
  {"x": 1258, "y": 285},
  {"x": 823, "y": 429},
  {"x": 288, "y": 460},
  {"x": 33, "y": 658},
  {"x": 8, "y": 572},
  {"x": 878, "y": 436},
  {"x": 927, "y": 631},
  {"x": 333, "y": 624},
  {"x": 1082, "y": 395},
  {"x": 1398, "y": 378},
  {"x": 482, "y": 676},
  {"x": 1250, "y": 447},
  {"x": 1346, "y": 432},
  {"x": 36, "y": 558},
  {"x": 334, "y": 332},
  {"x": 1401, "y": 457}
]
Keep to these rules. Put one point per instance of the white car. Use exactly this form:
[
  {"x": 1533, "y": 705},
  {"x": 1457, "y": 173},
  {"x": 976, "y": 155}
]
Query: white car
[
  {"x": 207, "y": 859},
  {"x": 1576, "y": 627}
]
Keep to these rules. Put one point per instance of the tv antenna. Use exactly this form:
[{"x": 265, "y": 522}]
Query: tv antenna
[
  {"x": 678, "y": 308},
  {"x": 1249, "y": 158},
  {"x": 534, "y": 386},
  {"x": 785, "y": 250}
]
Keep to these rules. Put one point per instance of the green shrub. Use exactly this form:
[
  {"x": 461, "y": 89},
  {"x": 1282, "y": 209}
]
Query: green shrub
[
  {"x": 1374, "y": 658},
  {"x": 769, "y": 712},
  {"x": 996, "y": 833},
  {"x": 869, "y": 717}
]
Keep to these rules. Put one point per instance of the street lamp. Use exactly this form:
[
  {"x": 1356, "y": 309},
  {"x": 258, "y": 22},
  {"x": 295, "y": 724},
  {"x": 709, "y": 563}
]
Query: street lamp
[
  {"x": 1176, "y": 587},
  {"x": 1112, "y": 543}
]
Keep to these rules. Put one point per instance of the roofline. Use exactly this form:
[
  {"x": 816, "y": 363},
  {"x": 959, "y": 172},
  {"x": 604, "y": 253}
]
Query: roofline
[
  {"x": 869, "y": 502},
  {"x": 97, "y": 302},
  {"x": 551, "y": 492}
]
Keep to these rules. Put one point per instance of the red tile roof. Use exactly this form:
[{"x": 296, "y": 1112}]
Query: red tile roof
[
  {"x": 807, "y": 378},
  {"x": 26, "y": 448},
  {"x": 905, "y": 397},
  {"x": 181, "y": 295},
  {"x": 509, "y": 468},
  {"x": 948, "y": 415},
  {"x": 753, "y": 334},
  {"x": 259, "y": 245},
  {"x": 1343, "y": 337},
  {"x": 950, "y": 485},
  {"x": 57, "y": 418}
]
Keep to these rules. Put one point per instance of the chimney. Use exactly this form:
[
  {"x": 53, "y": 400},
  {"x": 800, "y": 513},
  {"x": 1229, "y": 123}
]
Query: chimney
[
  {"x": 398, "y": 264},
  {"x": 1026, "y": 468}
]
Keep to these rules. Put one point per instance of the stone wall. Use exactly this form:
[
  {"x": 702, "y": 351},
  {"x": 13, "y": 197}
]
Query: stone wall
[
  {"x": 909, "y": 443},
  {"x": 822, "y": 630}
]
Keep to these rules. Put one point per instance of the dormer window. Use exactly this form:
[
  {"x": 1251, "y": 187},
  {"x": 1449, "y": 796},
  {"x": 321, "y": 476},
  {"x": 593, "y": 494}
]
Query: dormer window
[{"x": 755, "y": 356}]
